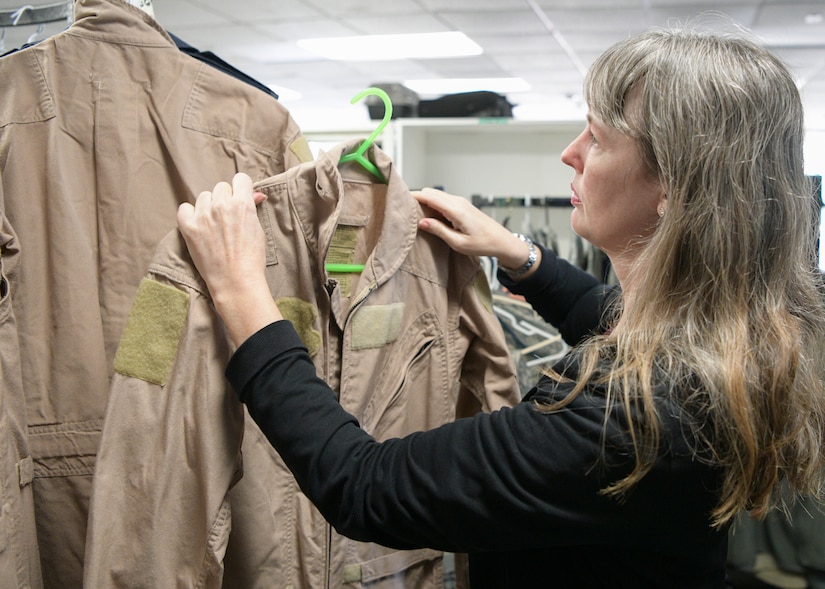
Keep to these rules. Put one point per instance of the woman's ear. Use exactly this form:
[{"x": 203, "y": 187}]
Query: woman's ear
[{"x": 661, "y": 204}]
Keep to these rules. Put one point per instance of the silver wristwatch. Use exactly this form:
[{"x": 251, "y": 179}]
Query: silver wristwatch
[{"x": 532, "y": 256}]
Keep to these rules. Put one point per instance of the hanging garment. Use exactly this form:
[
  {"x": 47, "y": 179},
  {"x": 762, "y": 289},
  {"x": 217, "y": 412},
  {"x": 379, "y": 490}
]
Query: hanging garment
[
  {"x": 221, "y": 65},
  {"x": 104, "y": 129},
  {"x": 408, "y": 344},
  {"x": 19, "y": 557}
]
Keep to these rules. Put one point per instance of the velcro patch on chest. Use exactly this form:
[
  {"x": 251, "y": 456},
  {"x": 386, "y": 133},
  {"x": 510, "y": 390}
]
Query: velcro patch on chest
[
  {"x": 150, "y": 339},
  {"x": 376, "y": 325}
]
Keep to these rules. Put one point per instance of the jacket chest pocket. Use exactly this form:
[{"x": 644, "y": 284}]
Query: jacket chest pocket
[{"x": 410, "y": 391}]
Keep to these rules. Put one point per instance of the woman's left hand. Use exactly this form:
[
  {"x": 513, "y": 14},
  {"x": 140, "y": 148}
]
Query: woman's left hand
[{"x": 469, "y": 230}]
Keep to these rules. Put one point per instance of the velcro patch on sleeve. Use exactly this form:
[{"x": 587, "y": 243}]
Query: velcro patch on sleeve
[
  {"x": 482, "y": 288},
  {"x": 300, "y": 147},
  {"x": 302, "y": 315},
  {"x": 150, "y": 339},
  {"x": 376, "y": 326}
]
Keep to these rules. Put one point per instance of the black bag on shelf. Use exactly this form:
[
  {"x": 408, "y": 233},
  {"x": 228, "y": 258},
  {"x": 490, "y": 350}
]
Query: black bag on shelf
[
  {"x": 404, "y": 101},
  {"x": 482, "y": 103}
]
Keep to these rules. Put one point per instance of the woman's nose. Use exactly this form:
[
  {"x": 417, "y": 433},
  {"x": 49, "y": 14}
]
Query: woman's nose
[{"x": 572, "y": 154}]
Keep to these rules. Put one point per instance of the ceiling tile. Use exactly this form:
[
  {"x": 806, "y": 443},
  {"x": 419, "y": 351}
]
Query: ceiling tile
[
  {"x": 523, "y": 22},
  {"x": 472, "y": 5},
  {"x": 396, "y": 24},
  {"x": 304, "y": 29},
  {"x": 358, "y": 8},
  {"x": 258, "y": 36},
  {"x": 254, "y": 10}
]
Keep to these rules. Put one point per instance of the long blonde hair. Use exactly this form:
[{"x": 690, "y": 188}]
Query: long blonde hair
[{"x": 726, "y": 305}]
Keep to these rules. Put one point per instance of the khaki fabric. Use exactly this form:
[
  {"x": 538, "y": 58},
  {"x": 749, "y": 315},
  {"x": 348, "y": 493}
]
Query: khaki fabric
[
  {"x": 412, "y": 341},
  {"x": 160, "y": 515},
  {"x": 19, "y": 556},
  {"x": 104, "y": 129}
]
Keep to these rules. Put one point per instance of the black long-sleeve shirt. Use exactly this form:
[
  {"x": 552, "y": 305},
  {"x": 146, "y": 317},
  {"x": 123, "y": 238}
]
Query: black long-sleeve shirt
[
  {"x": 519, "y": 489},
  {"x": 565, "y": 296}
]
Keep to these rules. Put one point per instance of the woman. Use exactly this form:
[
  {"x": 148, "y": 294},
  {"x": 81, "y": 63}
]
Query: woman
[{"x": 691, "y": 400}]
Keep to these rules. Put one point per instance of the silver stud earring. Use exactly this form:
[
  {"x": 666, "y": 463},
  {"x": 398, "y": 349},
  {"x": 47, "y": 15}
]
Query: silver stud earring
[{"x": 661, "y": 212}]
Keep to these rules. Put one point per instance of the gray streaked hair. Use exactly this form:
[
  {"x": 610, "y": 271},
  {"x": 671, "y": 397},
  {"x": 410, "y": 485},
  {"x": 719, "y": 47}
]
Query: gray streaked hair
[{"x": 727, "y": 303}]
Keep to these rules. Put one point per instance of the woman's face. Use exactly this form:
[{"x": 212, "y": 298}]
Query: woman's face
[{"x": 615, "y": 199}]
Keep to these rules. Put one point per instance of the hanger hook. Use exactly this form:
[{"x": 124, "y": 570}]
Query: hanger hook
[
  {"x": 387, "y": 110},
  {"x": 358, "y": 154}
]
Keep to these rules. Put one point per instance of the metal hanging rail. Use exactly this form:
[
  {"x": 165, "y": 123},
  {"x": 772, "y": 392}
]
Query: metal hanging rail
[{"x": 35, "y": 15}]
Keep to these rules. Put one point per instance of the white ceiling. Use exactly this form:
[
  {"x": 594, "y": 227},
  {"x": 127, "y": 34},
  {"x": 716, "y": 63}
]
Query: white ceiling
[{"x": 259, "y": 37}]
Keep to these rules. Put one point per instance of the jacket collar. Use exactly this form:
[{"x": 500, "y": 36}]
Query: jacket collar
[
  {"x": 115, "y": 21},
  {"x": 400, "y": 211}
]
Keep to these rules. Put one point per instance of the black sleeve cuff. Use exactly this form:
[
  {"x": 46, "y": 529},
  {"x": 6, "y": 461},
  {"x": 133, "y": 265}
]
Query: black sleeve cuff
[
  {"x": 567, "y": 297},
  {"x": 539, "y": 280},
  {"x": 259, "y": 350}
]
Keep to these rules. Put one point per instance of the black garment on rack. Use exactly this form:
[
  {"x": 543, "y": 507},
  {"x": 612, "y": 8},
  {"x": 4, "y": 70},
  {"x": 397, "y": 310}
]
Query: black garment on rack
[{"x": 220, "y": 64}]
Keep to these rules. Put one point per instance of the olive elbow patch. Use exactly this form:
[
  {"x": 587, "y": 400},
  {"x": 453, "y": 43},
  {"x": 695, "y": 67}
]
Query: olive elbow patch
[
  {"x": 302, "y": 315},
  {"x": 482, "y": 288},
  {"x": 150, "y": 339}
]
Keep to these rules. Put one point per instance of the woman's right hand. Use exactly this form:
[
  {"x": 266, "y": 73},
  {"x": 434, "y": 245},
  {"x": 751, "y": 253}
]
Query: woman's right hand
[
  {"x": 227, "y": 244},
  {"x": 468, "y": 230}
]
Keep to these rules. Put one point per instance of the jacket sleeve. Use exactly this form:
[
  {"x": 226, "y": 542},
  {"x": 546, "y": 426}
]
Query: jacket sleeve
[
  {"x": 488, "y": 375},
  {"x": 565, "y": 296},
  {"x": 451, "y": 488},
  {"x": 170, "y": 447}
]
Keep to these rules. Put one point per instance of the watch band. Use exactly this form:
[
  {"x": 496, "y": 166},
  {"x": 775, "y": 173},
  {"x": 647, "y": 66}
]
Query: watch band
[{"x": 532, "y": 256}]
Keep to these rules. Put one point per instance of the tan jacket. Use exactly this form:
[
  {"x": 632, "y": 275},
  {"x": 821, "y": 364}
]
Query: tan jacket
[
  {"x": 408, "y": 344},
  {"x": 19, "y": 557},
  {"x": 104, "y": 129}
]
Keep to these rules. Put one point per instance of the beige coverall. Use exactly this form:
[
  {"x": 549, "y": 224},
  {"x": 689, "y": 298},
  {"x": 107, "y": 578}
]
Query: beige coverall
[
  {"x": 408, "y": 344},
  {"x": 104, "y": 129}
]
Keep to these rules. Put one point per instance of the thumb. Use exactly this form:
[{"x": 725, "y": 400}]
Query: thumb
[{"x": 241, "y": 184}]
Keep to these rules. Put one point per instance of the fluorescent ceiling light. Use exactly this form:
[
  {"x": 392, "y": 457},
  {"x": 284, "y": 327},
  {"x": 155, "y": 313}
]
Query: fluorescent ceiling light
[
  {"x": 389, "y": 47},
  {"x": 454, "y": 85}
]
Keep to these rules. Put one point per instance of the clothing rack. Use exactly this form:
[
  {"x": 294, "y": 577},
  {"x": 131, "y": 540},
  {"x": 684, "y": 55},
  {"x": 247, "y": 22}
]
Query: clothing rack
[
  {"x": 36, "y": 15},
  {"x": 480, "y": 201}
]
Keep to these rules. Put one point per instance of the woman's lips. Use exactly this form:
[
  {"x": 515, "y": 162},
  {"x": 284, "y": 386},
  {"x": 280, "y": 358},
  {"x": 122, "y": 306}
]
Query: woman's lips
[{"x": 574, "y": 198}]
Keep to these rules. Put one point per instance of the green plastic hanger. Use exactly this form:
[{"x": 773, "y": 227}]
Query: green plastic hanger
[
  {"x": 345, "y": 268},
  {"x": 358, "y": 154}
]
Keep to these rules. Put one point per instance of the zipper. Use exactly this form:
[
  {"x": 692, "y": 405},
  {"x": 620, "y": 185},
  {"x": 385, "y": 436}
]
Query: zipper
[
  {"x": 328, "y": 568},
  {"x": 360, "y": 298}
]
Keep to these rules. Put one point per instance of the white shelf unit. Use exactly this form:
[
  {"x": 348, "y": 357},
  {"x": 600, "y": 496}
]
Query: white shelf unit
[
  {"x": 492, "y": 158},
  {"x": 502, "y": 157}
]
